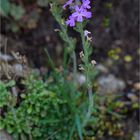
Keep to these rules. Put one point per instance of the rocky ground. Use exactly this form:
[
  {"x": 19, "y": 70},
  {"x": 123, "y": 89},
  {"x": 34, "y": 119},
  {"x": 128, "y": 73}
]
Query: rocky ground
[{"x": 114, "y": 29}]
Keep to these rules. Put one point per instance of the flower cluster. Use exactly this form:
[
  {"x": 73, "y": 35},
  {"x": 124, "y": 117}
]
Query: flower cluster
[{"x": 80, "y": 11}]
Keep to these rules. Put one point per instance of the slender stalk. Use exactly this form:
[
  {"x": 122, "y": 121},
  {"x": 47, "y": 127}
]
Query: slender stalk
[
  {"x": 74, "y": 66},
  {"x": 71, "y": 45},
  {"x": 88, "y": 81},
  {"x": 56, "y": 11},
  {"x": 89, "y": 112}
]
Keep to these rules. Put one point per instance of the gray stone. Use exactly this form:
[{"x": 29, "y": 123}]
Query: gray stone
[
  {"x": 18, "y": 69},
  {"x": 4, "y": 135},
  {"x": 81, "y": 79},
  {"x": 101, "y": 68},
  {"x": 5, "y": 58},
  {"x": 110, "y": 84},
  {"x": 137, "y": 135}
]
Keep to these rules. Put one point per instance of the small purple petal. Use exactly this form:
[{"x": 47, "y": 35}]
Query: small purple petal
[
  {"x": 67, "y": 3},
  {"x": 85, "y": 4},
  {"x": 88, "y": 14},
  {"x": 70, "y": 21},
  {"x": 79, "y": 18}
]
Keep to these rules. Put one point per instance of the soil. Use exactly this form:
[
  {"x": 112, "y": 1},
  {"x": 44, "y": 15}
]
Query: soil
[{"x": 122, "y": 33}]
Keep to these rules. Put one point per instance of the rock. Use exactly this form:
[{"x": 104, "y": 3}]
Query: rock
[
  {"x": 136, "y": 135},
  {"x": 137, "y": 86},
  {"x": 110, "y": 84},
  {"x": 81, "y": 79},
  {"x": 101, "y": 68},
  {"x": 18, "y": 69},
  {"x": 132, "y": 97},
  {"x": 4, "y": 135},
  {"x": 5, "y": 58}
]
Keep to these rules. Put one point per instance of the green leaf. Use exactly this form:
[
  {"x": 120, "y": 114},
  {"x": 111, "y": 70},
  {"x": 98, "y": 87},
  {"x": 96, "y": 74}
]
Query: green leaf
[
  {"x": 17, "y": 11},
  {"x": 23, "y": 96},
  {"x": 2, "y": 126},
  {"x": 14, "y": 27},
  {"x": 29, "y": 110},
  {"x": 10, "y": 83},
  {"x": 4, "y": 7},
  {"x": 79, "y": 127},
  {"x": 128, "y": 58},
  {"x": 9, "y": 130},
  {"x": 71, "y": 132},
  {"x": 42, "y": 3},
  {"x": 50, "y": 60}
]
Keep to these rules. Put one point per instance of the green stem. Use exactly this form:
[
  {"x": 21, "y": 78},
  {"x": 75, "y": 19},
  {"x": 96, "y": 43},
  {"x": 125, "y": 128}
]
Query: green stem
[
  {"x": 74, "y": 66},
  {"x": 87, "y": 71},
  {"x": 65, "y": 58},
  {"x": 71, "y": 46},
  {"x": 89, "y": 112},
  {"x": 56, "y": 12}
]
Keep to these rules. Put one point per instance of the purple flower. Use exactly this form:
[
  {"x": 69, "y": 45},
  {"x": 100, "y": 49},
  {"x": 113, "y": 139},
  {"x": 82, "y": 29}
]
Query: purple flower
[
  {"x": 80, "y": 13},
  {"x": 87, "y": 14},
  {"x": 79, "y": 9},
  {"x": 71, "y": 21},
  {"x": 67, "y": 3},
  {"x": 86, "y": 4},
  {"x": 86, "y": 33}
]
